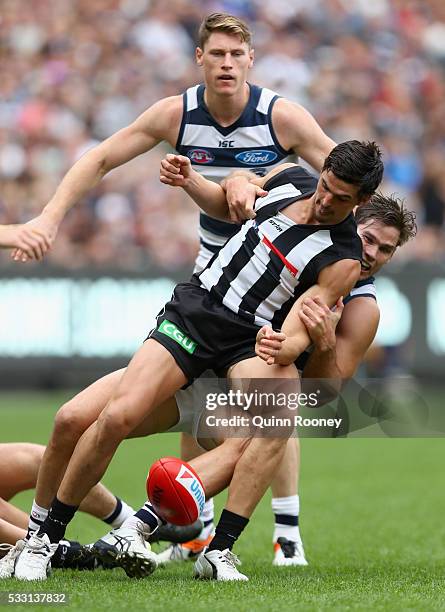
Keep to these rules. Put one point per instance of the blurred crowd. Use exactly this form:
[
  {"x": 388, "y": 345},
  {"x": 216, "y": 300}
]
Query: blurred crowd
[{"x": 75, "y": 71}]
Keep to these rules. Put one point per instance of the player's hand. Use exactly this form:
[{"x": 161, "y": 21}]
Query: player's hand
[
  {"x": 40, "y": 234},
  {"x": 241, "y": 195},
  {"x": 268, "y": 344},
  {"x": 175, "y": 170},
  {"x": 320, "y": 321},
  {"x": 31, "y": 240}
]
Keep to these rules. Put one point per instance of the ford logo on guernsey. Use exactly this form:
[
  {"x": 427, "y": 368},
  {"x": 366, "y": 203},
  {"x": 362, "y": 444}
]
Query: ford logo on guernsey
[
  {"x": 193, "y": 486},
  {"x": 200, "y": 156},
  {"x": 253, "y": 158}
]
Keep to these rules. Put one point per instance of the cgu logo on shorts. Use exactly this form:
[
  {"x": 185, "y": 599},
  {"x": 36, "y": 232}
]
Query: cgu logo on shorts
[
  {"x": 193, "y": 486},
  {"x": 256, "y": 157},
  {"x": 200, "y": 156},
  {"x": 169, "y": 329}
]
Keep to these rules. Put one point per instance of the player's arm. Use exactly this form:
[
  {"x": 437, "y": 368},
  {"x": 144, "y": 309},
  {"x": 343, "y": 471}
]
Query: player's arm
[
  {"x": 240, "y": 187},
  {"x": 177, "y": 171},
  {"x": 355, "y": 333},
  {"x": 30, "y": 241},
  {"x": 156, "y": 124},
  {"x": 285, "y": 346},
  {"x": 297, "y": 129},
  {"x": 340, "y": 341}
]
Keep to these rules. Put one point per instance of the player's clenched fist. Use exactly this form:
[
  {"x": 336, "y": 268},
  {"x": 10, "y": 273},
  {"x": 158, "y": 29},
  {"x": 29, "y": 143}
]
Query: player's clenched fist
[
  {"x": 268, "y": 344},
  {"x": 175, "y": 170},
  {"x": 241, "y": 195}
]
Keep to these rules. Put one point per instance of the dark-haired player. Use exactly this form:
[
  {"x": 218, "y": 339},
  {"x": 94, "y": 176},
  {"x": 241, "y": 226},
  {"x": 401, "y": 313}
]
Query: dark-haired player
[{"x": 301, "y": 242}]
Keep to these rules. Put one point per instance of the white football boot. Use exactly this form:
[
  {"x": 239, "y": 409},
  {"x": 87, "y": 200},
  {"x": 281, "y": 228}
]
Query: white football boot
[
  {"x": 218, "y": 565},
  {"x": 7, "y": 563},
  {"x": 127, "y": 547},
  {"x": 34, "y": 561},
  {"x": 289, "y": 553}
]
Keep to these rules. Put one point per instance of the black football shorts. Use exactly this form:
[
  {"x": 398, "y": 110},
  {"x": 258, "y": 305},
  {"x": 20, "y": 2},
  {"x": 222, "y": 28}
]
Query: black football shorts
[{"x": 201, "y": 333}]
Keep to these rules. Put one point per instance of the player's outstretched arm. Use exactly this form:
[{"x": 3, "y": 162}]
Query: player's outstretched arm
[
  {"x": 177, "y": 171},
  {"x": 333, "y": 282},
  {"x": 157, "y": 123},
  {"x": 297, "y": 129},
  {"x": 31, "y": 242}
]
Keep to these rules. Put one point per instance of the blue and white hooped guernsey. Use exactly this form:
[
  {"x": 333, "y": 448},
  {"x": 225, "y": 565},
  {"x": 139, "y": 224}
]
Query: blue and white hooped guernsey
[
  {"x": 215, "y": 151},
  {"x": 362, "y": 288}
]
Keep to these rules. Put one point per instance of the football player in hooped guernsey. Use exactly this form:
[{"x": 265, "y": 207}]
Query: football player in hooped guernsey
[{"x": 222, "y": 125}]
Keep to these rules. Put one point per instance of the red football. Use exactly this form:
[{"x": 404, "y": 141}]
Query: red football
[{"x": 175, "y": 491}]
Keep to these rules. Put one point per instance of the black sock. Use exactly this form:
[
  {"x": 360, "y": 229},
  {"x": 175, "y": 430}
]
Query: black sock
[
  {"x": 228, "y": 530},
  {"x": 55, "y": 524}
]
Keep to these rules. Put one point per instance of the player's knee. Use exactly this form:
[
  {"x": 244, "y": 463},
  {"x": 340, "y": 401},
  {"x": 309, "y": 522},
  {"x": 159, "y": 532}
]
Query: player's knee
[
  {"x": 68, "y": 424},
  {"x": 114, "y": 424}
]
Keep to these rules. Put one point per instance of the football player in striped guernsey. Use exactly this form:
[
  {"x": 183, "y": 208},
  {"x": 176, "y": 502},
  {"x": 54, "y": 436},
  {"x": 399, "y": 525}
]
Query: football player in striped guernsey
[
  {"x": 301, "y": 242},
  {"x": 223, "y": 124},
  {"x": 383, "y": 225}
]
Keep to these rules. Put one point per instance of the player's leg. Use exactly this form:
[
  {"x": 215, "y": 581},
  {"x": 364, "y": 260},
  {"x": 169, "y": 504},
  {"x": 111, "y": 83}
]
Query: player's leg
[
  {"x": 71, "y": 421},
  {"x": 250, "y": 480},
  {"x": 288, "y": 547},
  {"x": 151, "y": 377},
  {"x": 10, "y": 533},
  {"x": 19, "y": 466},
  {"x": 13, "y": 522}
]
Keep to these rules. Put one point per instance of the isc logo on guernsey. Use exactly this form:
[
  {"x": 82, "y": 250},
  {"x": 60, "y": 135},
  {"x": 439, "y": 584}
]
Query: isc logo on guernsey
[
  {"x": 193, "y": 486},
  {"x": 172, "y": 331}
]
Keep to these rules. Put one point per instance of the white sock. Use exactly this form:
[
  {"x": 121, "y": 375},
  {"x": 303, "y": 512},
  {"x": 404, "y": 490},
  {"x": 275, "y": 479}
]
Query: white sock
[
  {"x": 36, "y": 517},
  {"x": 286, "y": 511},
  {"x": 208, "y": 513},
  {"x": 207, "y": 517},
  {"x": 121, "y": 512}
]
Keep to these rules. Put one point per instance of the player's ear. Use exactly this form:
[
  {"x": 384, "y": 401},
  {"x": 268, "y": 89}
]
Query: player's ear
[
  {"x": 252, "y": 57},
  {"x": 198, "y": 55}
]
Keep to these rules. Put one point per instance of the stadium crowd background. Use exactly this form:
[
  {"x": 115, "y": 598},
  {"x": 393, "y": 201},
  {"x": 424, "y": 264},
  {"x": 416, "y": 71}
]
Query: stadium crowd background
[{"x": 75, "y": 72}]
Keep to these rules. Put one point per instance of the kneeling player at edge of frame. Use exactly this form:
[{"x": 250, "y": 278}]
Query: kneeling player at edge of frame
[{"x": 315, "y": 251}]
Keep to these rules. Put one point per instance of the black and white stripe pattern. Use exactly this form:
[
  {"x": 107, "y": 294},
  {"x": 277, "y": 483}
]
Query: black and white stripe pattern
[{"x": 271, "y": 261}]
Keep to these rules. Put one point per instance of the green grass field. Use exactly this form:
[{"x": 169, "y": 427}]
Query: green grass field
[{"x": 372, "y": 523}]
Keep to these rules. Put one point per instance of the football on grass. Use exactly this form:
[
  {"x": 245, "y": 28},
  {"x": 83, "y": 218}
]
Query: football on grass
[{"x": 175, "y": 491}]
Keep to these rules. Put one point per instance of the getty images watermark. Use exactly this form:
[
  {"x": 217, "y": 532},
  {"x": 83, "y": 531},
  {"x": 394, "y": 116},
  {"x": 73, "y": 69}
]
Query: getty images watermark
[
  {"x": 251, "y": 402},
  {"x": 317, "y": 408}
]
